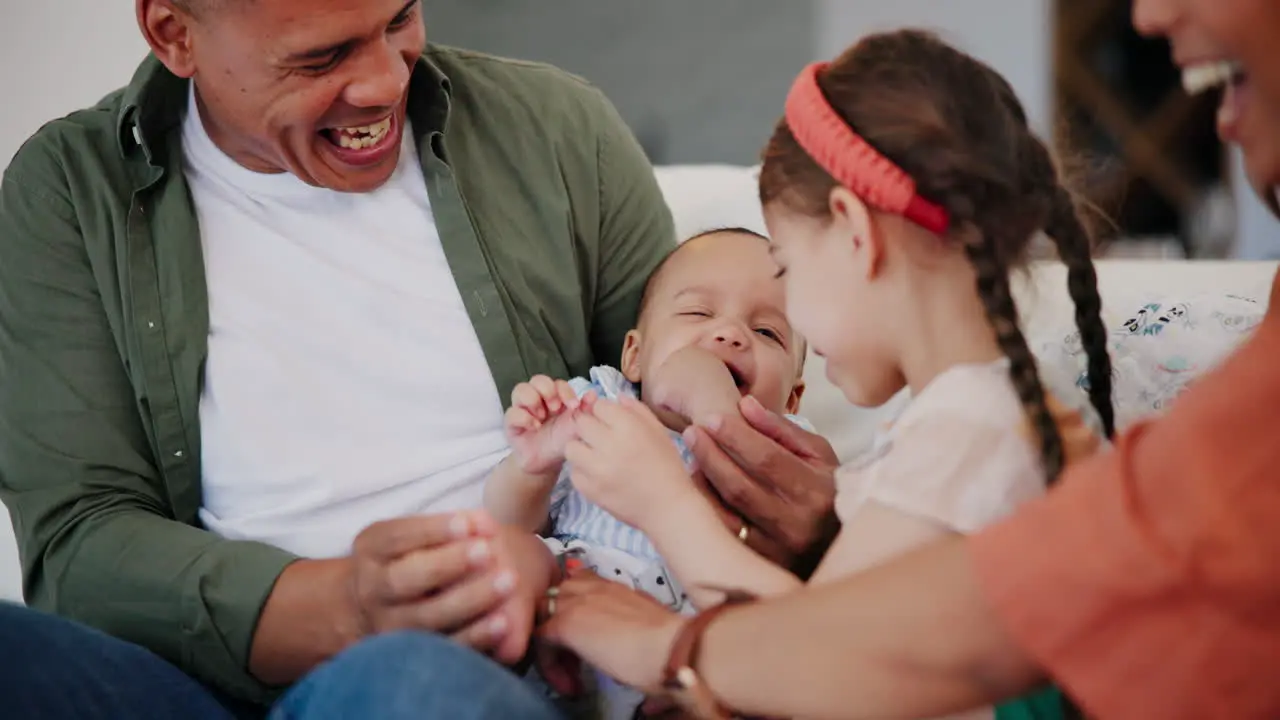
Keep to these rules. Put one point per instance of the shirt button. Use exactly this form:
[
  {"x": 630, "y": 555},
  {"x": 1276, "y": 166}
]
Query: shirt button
[{"x": 151, "y": 325}]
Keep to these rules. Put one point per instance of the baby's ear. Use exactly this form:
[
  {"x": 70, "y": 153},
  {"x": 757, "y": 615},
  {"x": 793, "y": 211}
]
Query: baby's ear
[
  {"x": 793, "y": 402},
  {"x": 630, "y": 365}
]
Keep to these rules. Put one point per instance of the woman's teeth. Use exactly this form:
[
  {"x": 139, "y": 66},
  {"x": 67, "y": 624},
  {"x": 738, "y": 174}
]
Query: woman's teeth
[
  {"x": 365, "y": 136},
  {"x": 1204, "y": 76}
]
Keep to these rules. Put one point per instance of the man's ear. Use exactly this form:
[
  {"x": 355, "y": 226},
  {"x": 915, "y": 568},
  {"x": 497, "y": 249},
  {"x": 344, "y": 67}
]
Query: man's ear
[
  {"x": 167, "y": 31},
  {"x": 852, "y": 218},
  {"x": 631, "y": 357},
  {"x": 793, "y": 402}
]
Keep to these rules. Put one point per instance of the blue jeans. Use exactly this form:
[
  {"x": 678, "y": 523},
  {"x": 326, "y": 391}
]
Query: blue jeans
[{"x": 54, "y": 669}]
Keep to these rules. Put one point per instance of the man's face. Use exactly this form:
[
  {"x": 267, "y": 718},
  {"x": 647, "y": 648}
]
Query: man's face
[
  {"x": 1233, "y": 44},
  {"x": 312, "y": 87}
]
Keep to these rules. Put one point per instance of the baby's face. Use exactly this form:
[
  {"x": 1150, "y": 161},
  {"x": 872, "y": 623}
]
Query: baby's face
[{"x": 720, "y": 292}]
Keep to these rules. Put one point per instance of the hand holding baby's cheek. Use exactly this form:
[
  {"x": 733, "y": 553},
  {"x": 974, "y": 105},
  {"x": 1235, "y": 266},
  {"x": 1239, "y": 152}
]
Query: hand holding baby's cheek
[{"x": 625, "y": 461}]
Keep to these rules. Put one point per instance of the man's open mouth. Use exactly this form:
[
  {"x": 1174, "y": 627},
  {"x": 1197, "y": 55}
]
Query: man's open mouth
[{"x": 359, "y": 137}]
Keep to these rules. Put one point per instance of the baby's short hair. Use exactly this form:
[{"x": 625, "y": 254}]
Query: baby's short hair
[{"x": 803, "y": 347}]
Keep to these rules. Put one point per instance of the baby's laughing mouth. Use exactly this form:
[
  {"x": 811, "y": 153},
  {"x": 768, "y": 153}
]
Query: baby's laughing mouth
[{"x": 739, "y": 380}]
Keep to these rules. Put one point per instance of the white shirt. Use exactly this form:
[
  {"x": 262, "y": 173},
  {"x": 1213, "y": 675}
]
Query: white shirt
[
  {"x": 960, "y": 454},
  {"x": 345, "y": 383}
]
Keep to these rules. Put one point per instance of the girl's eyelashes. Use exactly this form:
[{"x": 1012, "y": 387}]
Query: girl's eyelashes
[{"x": 781, "y": 271}]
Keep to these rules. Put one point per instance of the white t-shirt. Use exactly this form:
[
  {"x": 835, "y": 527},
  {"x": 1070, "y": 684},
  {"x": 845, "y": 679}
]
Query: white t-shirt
[
  {"x": 345, "y": 383},
  {"x": 959, "y": 454}
]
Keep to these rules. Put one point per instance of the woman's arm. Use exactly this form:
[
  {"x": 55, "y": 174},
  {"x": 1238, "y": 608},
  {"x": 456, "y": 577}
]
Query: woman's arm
[{"x": 911, "y": 638}]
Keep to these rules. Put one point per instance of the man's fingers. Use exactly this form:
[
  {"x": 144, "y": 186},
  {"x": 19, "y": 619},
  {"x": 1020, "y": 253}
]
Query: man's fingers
[
  {"x": 484, "y": 634},
  {"x": 786, "y": 433},
  {"x": 750, "y": 449},
  {"x": 726, "y": 476},
  {"x": 459, "y": 605},
  {"x": 423, "y": 572},
  {"x": 389, "y": 539}
]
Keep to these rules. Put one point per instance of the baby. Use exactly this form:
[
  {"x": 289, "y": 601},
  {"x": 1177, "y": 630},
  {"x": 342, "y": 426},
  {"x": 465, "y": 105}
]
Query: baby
[{"x": 712, "y": 329}]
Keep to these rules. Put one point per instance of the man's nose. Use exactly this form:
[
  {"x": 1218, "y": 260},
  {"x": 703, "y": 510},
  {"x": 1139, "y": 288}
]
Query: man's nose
[{"x": 380, "y": 79}]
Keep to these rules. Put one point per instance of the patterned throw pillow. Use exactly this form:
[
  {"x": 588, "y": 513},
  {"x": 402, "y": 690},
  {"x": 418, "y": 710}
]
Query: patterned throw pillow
[{"x": 1160, "y": 347}]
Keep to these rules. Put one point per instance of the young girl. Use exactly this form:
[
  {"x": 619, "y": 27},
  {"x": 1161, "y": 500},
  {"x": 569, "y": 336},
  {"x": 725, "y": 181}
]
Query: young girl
[{"x": 901, "y": 190}]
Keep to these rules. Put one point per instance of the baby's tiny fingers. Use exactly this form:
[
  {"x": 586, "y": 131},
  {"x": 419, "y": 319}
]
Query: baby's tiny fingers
[
  {"x": 520, "y": 419},
  {"x": 547, "y": 390}
]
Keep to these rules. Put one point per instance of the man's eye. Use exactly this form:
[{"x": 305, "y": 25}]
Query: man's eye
[
  {"x": 325, "y": 65},
  {"x": 404, "y": 18}
]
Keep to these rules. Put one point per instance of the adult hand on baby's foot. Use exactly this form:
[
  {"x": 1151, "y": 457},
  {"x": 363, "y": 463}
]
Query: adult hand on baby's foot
[
  {"x": 625, "y": 462},
  {"x": 540, "y": 423},
  {"x": 779, "y": 478},
  {"x": 460, "y": 574}
]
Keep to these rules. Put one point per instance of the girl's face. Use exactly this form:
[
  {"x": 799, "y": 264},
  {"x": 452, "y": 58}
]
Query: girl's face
[{"x": 831, "y": 267}]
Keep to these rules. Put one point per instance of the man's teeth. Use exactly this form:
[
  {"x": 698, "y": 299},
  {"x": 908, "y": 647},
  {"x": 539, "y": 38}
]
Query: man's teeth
[
  {"x": 1198, "y": 78},
  {"x": 364, "y": 136}
]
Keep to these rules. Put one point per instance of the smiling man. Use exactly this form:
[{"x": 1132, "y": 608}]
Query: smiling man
[{"x": 260, "y": 312}]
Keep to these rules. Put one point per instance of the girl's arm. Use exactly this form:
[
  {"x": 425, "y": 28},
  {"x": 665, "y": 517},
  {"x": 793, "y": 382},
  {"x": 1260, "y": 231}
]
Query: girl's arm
[
  {"x": 708, "y": 559},
  {"x": 872, "y": 535}
]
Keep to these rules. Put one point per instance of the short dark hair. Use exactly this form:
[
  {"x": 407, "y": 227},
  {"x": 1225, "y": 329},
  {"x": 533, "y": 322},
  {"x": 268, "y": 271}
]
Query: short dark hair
[
  {"x": 653, "y": 276},
  {"x": 649, "y": 284}
]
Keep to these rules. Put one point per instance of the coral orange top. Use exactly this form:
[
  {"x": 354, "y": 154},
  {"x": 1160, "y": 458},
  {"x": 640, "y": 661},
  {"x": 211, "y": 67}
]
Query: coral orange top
[{"x": 1148, "y": 583}]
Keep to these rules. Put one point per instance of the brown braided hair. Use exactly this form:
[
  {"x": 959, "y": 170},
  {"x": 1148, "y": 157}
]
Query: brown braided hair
[{"x": 957, "y": 128}]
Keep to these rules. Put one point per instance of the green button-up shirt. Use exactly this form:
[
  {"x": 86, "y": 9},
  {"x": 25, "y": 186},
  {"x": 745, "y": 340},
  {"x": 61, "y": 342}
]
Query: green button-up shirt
[{"x": 551, "y": 221}]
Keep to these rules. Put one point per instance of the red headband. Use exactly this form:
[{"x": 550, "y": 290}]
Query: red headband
[{"x": 851, "y": 160}]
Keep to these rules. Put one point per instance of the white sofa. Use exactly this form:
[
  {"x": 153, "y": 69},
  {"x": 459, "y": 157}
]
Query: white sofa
[{"x": 707, "y": 196}]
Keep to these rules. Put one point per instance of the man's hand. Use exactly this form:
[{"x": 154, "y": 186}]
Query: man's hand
[
  {"x": 462, "y": 575},
  {"x": 779, "y": 478},
  {"x": 457, "y": 574}
]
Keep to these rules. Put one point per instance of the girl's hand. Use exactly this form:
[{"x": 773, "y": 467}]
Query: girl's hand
[
  {"x": 624, "y": 460},
  {"x": 541, "y": 422},
  {"x": 625, "y": 633}
]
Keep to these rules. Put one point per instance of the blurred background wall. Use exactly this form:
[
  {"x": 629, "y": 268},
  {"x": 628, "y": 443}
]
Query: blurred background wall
[{"x": 704, "y": 80}]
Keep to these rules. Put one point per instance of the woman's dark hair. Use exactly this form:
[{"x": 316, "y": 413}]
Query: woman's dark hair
[{"x": 957, "y": 128}]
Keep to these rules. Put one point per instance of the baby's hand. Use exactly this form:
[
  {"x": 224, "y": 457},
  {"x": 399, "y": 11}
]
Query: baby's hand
[
  {"x": 541, "y": 422},
  {"x": 694, "y": 384}
]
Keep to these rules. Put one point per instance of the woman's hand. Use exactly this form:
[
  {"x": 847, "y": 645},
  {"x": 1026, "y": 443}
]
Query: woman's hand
[
  {"x": 624, "y": 461},
  {"x": 624, "y": 633}
]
